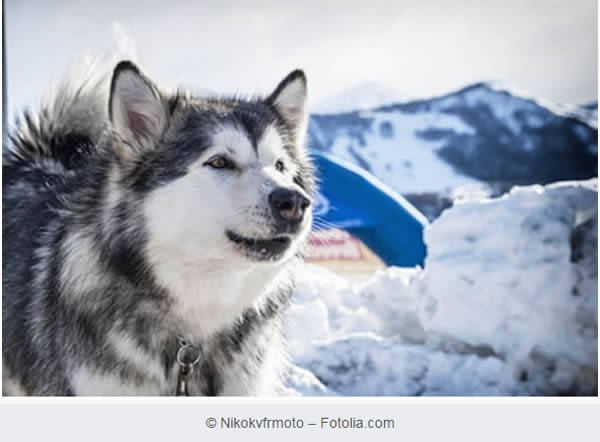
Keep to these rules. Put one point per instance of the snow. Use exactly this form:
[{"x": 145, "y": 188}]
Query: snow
[
  {"x": 507, "y": 101},
  {"x": 477, "y": 250},
  {"x": 506, "y": 305},
  {"x": 483, "y": 132},
  {"x": 406, "y": 161},
  {"x": 504, "y": 105}
]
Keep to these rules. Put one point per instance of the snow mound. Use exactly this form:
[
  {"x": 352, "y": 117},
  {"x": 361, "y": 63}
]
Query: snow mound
[
  {"x": 506, "y": 305},
  {"x": 512, "y": 274}
]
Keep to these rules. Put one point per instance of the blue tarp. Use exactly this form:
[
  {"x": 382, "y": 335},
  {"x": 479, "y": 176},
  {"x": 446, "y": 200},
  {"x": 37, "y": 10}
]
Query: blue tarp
[{"x": 354, "y": 200}]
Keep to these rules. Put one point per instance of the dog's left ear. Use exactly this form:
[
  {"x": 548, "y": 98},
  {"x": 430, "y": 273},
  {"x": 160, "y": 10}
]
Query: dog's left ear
[
  {"x": 137, "y": 112},
  {"x": 290, "y": 100}
]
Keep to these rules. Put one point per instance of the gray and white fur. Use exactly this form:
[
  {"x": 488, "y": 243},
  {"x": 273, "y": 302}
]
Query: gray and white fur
[{"x": 133, "y": 218}]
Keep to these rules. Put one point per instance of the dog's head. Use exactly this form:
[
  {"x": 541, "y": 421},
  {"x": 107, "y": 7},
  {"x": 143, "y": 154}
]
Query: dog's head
[{"x": 220, "y": 180}]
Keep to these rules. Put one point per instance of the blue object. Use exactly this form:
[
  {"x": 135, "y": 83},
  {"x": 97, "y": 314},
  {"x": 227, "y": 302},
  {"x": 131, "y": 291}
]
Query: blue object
[{"x": 354, "y": 200}]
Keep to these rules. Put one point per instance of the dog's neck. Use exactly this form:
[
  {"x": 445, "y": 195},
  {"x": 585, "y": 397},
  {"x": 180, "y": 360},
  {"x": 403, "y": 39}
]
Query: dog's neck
[
  {"x": 208, "y": 299},
  {"x": 196, "y": 303}
]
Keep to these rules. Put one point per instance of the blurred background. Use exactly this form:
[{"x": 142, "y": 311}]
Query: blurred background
[
  {"x": 457, "y": 97},
  {"x": 424, "y": 116},
  {"x": 382, "y": 52}
]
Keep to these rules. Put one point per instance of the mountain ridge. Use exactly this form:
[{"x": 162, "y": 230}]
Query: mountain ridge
[{"x": 484, "y": 132}]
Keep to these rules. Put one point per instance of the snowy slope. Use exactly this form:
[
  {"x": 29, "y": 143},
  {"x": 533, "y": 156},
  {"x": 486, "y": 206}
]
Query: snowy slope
[
  {"x": 483, "y": 133},
  {"x": 590, "y": 111},
  {"x": 506, "y": 305}
]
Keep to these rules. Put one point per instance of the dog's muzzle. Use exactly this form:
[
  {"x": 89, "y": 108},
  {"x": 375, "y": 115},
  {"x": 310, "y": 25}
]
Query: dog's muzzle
[{"x": 288, "y": 209}]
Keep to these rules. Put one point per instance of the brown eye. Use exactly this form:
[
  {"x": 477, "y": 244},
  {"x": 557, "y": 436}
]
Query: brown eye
[
  {"x": 218, "y": 163},
  {"x": 279, "y": 166}
]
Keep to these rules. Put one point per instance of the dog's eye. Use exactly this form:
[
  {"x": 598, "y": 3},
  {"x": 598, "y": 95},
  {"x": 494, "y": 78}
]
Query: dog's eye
[
  {"x": 279, "y": 166},
  {"x": 219, "y": 163}
]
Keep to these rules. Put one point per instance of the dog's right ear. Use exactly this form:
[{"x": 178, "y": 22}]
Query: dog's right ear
[{"x": 137, "y": 112}]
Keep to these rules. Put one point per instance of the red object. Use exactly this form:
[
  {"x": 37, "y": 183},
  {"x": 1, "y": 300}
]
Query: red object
[{"x": 333, "y": 245}]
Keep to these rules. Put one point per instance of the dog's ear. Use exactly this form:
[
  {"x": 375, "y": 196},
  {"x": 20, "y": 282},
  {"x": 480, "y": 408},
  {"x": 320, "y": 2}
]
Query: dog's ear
[
  {"x": 138, "y": 114},
  {"x": 290, "y": 101}
]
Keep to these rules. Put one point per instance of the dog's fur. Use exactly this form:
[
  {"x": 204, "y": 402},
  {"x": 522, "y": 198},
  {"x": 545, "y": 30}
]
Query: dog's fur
[{"x": 122, "y": 237}]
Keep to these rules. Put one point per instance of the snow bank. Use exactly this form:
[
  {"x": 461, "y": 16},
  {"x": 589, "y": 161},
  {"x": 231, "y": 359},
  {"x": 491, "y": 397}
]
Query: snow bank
[
  {"x": 507, "y": 305},
  {"x": 502, "y": 273}
]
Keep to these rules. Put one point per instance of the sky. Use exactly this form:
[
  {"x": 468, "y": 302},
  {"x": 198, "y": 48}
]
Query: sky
[{"x": 418, "y": 48}]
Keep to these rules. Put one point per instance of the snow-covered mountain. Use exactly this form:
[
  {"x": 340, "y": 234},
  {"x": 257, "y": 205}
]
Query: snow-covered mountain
[
  {"x": 590, "y": 110},
  {"x": 482, "y": 133}
]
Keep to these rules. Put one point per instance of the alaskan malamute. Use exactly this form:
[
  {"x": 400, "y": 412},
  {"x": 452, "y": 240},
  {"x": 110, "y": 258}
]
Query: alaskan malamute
[{"x": 150, "y": 239}]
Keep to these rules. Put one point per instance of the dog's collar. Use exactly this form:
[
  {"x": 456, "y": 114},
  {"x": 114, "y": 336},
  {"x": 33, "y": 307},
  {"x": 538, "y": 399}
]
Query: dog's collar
[{"x": 188, "y": 355}]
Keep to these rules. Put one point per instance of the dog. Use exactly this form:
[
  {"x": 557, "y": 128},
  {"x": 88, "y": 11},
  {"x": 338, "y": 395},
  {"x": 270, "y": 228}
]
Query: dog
[{"x": 151, "y": 239}]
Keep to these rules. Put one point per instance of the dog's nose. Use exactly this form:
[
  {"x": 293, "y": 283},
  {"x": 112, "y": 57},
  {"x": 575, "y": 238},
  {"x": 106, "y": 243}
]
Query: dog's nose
[{"x": 288, "y": 205}]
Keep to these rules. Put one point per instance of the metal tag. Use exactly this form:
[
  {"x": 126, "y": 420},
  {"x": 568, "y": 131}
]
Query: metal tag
[
  {"x": 182, "y": 380},
  {"x": 188, "y": 355}
]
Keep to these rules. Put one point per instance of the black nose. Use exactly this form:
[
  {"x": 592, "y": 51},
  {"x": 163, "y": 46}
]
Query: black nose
[{"x": 288, "y": 205}]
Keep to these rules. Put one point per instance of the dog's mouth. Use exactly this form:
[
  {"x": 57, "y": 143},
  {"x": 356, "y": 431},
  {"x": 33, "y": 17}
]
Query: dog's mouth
[{"x": 261, "y": 249}]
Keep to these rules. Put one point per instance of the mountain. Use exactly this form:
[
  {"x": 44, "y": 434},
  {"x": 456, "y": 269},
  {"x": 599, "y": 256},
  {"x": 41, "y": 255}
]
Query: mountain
[
  {"x": 367, "y": 95},
  {"x": 483, "y": 133},
  {"x": 590, "y": 110}
]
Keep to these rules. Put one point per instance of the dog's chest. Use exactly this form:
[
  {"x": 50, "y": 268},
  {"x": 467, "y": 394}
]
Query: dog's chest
[
  {"x": 89, "y": 381},
  {"x": 218, "y": 370}
]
